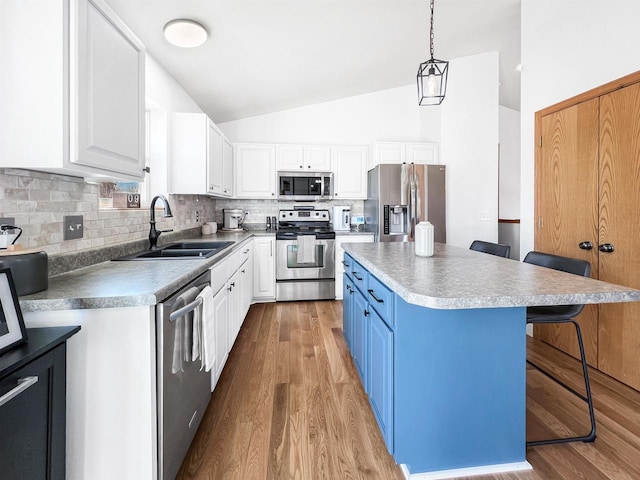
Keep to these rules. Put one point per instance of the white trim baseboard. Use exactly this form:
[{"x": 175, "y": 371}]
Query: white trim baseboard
[{"x": 466, "y": 472}]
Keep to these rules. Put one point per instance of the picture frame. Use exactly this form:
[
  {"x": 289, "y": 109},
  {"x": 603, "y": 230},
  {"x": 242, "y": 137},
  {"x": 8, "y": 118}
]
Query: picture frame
[{"x": 12, "y": 329}]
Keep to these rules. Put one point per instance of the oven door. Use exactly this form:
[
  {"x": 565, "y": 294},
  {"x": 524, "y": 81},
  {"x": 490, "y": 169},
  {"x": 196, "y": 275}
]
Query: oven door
[{"x": 288, "y": 267}]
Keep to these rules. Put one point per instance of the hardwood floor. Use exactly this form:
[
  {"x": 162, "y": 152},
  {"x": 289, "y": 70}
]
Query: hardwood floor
[{"x": 289, "y": 405}]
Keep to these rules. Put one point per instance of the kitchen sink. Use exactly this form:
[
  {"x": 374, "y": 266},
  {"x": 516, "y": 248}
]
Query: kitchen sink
[{"x": 182, "y": 250}]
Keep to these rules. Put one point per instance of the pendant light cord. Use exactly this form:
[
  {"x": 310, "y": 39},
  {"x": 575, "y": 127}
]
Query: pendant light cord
[{"x": 431, "y": 35}]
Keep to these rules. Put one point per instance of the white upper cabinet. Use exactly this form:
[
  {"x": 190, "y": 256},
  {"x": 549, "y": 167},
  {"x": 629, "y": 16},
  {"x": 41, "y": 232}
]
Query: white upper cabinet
[
  {"x": 349, "y": 166},
  {"x": 423, "y": 153},
  {"x": 308, "y": 157},
  {"x": 255, "y": 171},
  {"x": 227, "y": 166},
  {"x": 197, "y": 164},
  {"x": 397, "y": 152},
  {"x": 84, "y": 82},
  {"x": 289, "y": 157}
]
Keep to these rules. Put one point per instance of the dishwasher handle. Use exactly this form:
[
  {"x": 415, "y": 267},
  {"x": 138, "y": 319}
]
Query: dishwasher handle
[{"x": 186, "y": 309}]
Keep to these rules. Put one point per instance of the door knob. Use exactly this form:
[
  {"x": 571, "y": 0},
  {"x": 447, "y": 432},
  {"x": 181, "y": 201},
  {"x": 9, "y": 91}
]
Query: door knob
[
  {"x": 606, "y": 247},
  {"x": 585, "y": 245}
]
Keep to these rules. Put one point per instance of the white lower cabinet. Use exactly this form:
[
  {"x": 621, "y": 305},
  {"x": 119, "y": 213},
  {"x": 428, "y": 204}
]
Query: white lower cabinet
[
  {"x": 264, "y": 263},
  {"x": 233, "y": 286},
  {"x": 221, "y": 319},
  {"x": 340, "y": 240}
]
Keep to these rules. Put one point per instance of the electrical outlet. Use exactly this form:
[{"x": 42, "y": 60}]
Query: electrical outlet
[
  {"x": 484, "y": 216},
  {"x": 197, "y": 216},
  {"x": 73, "y": 227}
]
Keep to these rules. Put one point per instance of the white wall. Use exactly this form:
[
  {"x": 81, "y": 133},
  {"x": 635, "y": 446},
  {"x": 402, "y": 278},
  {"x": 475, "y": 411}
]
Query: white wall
[
  {"x": 568, "y": 47},
  {"x": 469, "y": 148},
  {"x": 466, "y": 126},
  {"x": 391, "y": 115},
  {"x": 509, "y": 174}
]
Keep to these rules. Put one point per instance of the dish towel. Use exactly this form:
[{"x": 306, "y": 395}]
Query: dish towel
[
  {"x": 306, "y": 249},
  {"x": 204, "y": 317},
  {"x": 182, "y": 331}
]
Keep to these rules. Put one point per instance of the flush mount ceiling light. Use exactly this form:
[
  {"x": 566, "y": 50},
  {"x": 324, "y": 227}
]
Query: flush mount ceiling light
[
  {"x": 185, "y": 33},
  {"x": 432, "y": 76}
]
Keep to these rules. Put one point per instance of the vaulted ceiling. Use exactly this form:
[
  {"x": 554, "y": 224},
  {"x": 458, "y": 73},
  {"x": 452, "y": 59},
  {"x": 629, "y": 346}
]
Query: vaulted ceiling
[{"x": 264, "y": 56}]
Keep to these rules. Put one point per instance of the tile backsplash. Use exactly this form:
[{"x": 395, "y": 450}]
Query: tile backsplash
[
  {"x": 259, "y": 209},
  {"x": 39, "y": 202}
]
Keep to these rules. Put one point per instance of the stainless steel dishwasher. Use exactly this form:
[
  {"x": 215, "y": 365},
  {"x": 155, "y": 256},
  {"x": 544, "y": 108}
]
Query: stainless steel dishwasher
[{"x": 184, "y": 390}]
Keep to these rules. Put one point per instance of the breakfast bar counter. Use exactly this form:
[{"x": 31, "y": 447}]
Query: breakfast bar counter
[{"x": 440, "y": 346}]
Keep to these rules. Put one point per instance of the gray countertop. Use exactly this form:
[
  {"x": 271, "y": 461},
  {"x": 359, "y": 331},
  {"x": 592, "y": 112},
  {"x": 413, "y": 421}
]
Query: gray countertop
[
  {"x": 458, "y": 278},
  {"x": 127, "y": 284}
]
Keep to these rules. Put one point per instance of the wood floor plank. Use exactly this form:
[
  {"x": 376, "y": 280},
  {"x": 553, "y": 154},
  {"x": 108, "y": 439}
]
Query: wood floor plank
[{"x": 290, "y": 405}]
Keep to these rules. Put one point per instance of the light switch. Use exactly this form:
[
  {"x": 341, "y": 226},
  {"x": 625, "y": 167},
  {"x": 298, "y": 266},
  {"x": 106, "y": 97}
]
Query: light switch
[{"x": 73, "y": 227}]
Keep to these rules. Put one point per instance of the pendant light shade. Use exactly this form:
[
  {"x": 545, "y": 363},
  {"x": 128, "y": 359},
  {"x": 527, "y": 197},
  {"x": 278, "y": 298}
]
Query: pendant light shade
[{"x": 432, "y": 76}]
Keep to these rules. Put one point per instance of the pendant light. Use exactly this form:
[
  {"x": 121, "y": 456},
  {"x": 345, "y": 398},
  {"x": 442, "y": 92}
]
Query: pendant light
[{"x": 432, "y": 76}]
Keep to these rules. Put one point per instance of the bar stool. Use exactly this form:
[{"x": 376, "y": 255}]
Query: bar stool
[
  {"x": 492, "y": 248},
  {"x": 563, "y": 314}
]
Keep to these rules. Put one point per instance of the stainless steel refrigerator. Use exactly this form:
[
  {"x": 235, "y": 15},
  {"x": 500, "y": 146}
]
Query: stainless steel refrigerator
[{"x": 400, "y": 196}]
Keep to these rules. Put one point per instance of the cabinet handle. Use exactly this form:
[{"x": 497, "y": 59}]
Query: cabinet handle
[
  {"x": 345, "y": 264},
  {"x": 606, "y": 247},
  {"x": 379, "y": 300},
  {"x": 246, "y": 251},
  {"x": 366, "y": 313},
  {"x": 242, "y": 271},
  {"x": 357, "y": 277},
  {"x": 233, "y": 284},
  {"x": 23, "y": 384},
  {"x": 585, "y": 245},
  {"x": 272, "y": 194}
]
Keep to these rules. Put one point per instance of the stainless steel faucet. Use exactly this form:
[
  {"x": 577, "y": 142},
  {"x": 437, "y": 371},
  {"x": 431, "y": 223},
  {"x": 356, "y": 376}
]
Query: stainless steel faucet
[{"x": 153, "y": 233}]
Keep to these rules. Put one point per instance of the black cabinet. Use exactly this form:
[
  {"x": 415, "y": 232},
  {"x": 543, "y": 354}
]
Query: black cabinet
[{"x": 32, "y": 406}]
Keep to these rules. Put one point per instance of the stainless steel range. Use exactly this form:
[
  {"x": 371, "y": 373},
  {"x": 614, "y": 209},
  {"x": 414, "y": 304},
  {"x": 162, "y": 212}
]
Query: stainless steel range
[{"x": 305, "y": 249}]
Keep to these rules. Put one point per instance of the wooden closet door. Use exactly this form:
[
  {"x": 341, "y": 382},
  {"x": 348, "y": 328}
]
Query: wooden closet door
[
  {"x": 566, "y": 206},
  {"x": 619, "y": 324}
]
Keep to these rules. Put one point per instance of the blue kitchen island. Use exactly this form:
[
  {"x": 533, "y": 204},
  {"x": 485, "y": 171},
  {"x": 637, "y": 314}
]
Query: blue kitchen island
[{"x": 440, "y": 346}]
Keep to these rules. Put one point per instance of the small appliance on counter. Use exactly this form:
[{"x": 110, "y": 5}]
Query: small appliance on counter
[
  {"x": 341, "y": 218},
  {"x": 357, "y": 223},
  {"x": 233, "y": 218},
  {"x": 29, "y": 268}
]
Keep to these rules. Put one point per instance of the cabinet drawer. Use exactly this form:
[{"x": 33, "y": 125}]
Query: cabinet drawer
[
  {"x": 359, "y": 275},
  {"x": 381, "y": 299}
]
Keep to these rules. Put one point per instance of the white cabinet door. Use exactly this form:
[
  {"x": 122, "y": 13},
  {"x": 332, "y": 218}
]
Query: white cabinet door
[
  {"x": 289, "y": 157},
  {"x": 215, "y": 159},
  {"x": 246, "y": 282},
  {"x": 388, "y": 152},
  {"x": 227, "y": 167},
  {"x": 423, "y": 153},
  {"x": 340, "y": 240},
  {"x": 349, "y": 166},
  {"x": 107, "y": 96},
  {"x": 77, "y": 69},
  {"x": 264, "y": 274},
  {"x": 235, "y": 308},
  {"x": 317, "y": 158},
  {"x": 255, "y": 171},
  {"x": 221, "y": 319},
  {"x": 189, "y": 162}
]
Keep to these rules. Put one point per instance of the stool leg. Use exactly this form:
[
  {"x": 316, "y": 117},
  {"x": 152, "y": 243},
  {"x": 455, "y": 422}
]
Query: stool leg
[{"x": 591, "y": 436}]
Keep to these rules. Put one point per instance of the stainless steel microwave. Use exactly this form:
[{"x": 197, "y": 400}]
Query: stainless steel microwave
[{"x": 305, "y": 186}]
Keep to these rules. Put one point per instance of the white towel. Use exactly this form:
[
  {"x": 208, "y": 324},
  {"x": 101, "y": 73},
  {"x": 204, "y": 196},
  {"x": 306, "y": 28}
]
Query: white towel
[
  {"x": 182, "y": 331},
  {"x": 207, "y": 329},
  {"x": 306, "y": 249}
]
